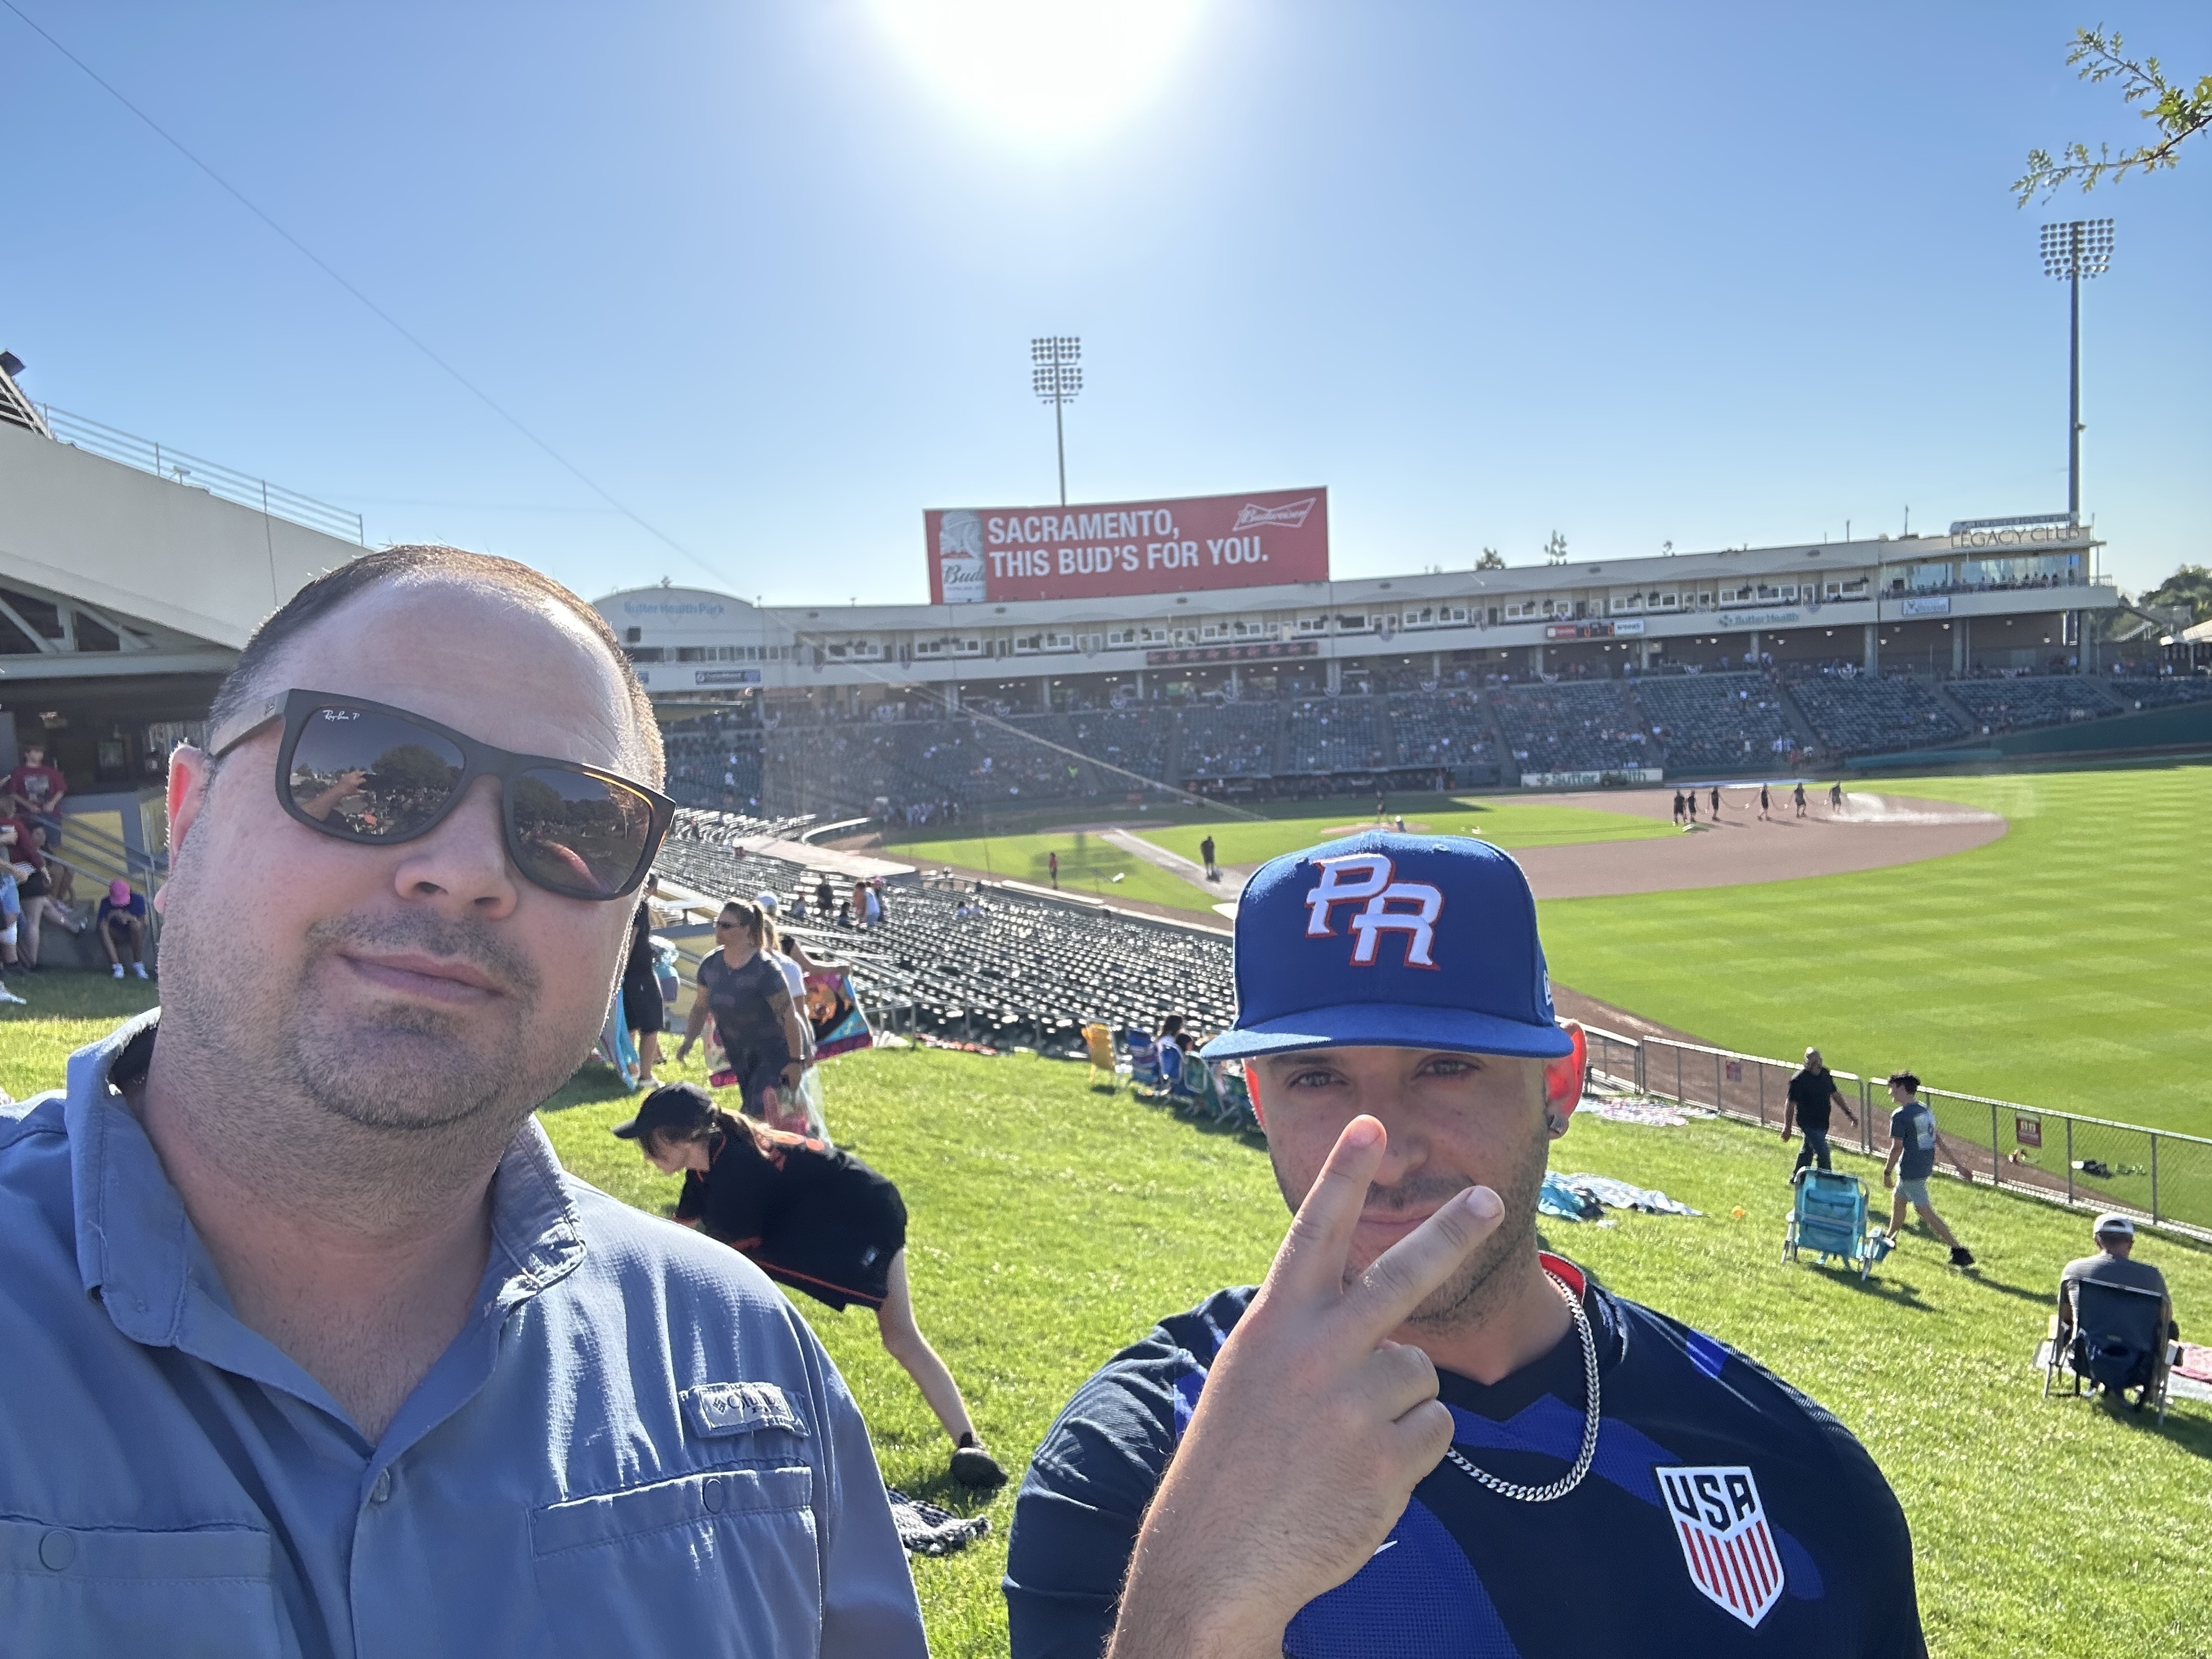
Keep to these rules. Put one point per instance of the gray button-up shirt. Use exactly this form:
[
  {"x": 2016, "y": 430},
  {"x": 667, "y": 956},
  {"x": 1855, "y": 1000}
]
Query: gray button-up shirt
[{"x": 634, "y": 1446}]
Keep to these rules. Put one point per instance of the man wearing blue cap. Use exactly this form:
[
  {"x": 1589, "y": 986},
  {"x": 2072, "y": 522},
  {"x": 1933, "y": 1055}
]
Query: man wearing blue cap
[{"x": 1423, "y": 1435}]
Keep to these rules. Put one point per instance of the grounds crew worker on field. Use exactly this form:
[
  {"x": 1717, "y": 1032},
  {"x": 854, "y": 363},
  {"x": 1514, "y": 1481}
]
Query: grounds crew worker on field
[{"x": 1422, "y": 1436}]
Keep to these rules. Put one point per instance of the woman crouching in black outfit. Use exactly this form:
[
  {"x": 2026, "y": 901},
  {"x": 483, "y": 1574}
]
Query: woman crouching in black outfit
[{"x": 810, "y": 1217}]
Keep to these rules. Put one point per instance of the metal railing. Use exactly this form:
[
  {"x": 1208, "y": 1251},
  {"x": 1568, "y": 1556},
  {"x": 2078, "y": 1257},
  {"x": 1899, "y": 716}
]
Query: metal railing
[
  {"x": 2156, "y": 1176},
  {"x": 196, "y": 473}
]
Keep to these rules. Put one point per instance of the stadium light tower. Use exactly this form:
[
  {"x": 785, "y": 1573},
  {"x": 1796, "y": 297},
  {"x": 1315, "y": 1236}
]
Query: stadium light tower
[
  {"x": 2072, "y": 250},
  {"x": 1057, "y": 381}
]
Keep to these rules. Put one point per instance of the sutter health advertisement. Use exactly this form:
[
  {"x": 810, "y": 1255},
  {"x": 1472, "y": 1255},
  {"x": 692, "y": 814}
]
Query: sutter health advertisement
[{"x": 1115, "y": 549}]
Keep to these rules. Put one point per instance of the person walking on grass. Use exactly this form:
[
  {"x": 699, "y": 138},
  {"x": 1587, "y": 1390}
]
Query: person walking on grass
[
  {"x": 1798, "y": 795},
  {"x": 1052, "y": 868},
  {"x": 1205, "y": 853},
  {"x": 1678, "y": 809},
  {"x": 1812, "y": 1092},
  {"x": 812, "y": 1218},
  {"x": 312, "y": 1346},
  {"x": 743, "y": 991},
  {"x": 1913, "y": 1143}
]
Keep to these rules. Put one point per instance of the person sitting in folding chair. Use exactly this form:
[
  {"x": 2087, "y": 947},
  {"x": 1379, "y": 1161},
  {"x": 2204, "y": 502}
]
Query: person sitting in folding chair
[{"x": 2114, "y": 1264}]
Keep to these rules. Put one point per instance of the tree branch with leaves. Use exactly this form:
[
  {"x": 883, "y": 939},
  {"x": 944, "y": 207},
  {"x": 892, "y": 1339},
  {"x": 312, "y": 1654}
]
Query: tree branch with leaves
[{"x": 2178, "y": 113}]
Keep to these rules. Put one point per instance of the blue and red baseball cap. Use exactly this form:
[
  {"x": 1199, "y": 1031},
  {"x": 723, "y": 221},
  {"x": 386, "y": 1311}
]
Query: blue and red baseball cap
[{"x": 1395, "y": 941}]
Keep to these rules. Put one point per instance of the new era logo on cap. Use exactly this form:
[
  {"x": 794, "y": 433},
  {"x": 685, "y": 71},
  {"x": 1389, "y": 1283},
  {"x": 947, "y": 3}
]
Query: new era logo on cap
[{"x": 1401, "y": 941}]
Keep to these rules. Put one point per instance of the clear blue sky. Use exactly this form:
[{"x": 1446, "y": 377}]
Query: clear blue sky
[{"x": 1707, "y": 274}]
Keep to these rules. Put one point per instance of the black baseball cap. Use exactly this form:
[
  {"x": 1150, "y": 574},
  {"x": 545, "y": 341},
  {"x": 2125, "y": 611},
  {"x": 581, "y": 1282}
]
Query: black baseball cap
[{"x": 684, "y": 1107}]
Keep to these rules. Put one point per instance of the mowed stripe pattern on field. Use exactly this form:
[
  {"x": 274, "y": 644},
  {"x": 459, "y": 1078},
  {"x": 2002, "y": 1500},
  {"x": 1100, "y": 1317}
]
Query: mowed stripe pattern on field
[{"x": 2064, "y": 966}]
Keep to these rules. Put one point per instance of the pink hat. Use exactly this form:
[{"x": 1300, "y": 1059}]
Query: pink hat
[{"x": 118, "y": 891}]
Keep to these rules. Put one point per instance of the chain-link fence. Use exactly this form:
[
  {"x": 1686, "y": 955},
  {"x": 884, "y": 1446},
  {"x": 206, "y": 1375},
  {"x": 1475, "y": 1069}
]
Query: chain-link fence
[{"x": 2089, "y": 1162}]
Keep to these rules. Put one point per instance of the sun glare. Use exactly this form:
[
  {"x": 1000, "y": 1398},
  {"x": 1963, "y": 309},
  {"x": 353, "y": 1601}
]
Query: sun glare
[{"x": 1046, "y": 71}]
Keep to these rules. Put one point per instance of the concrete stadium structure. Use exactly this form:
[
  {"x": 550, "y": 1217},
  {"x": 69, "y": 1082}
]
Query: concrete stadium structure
[{"x": 1992, "y": 595}]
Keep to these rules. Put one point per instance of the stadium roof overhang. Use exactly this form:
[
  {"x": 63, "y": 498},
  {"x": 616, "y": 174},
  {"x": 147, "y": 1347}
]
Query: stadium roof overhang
[{"x": 108, "y": 570}]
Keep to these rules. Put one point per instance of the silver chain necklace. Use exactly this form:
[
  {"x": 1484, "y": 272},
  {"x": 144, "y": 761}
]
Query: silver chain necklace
[{"x": 1573, "y": 1478}]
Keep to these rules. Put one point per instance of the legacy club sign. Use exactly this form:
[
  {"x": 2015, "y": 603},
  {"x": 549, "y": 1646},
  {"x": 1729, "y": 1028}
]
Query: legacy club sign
[{"x": 1121, "y": 549}]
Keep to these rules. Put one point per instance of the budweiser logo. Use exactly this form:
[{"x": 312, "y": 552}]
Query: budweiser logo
[{"x": 1249, "y": 517}]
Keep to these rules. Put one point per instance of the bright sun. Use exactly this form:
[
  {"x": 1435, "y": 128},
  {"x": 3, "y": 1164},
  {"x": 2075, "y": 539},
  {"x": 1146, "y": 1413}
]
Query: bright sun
[{"x": 1047, "y": 71}]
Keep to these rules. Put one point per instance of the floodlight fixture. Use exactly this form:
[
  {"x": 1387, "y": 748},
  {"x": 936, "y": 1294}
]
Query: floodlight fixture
[
  {"x": 2077, "y": 247},
  {"x": 1057, "y": 378},
  {"x": 2073, "y": 249}
]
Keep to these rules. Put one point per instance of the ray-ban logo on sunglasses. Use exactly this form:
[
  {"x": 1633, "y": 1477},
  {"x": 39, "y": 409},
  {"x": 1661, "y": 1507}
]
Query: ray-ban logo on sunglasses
[
  {"x": 1364, "y": 878},
  {"x": 340, "y": 713}
]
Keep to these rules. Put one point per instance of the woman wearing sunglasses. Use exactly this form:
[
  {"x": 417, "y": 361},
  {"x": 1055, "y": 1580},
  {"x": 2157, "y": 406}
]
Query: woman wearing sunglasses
[
  {"x": 814, "y": 1217},
  {"x": 743, "y": 991}
]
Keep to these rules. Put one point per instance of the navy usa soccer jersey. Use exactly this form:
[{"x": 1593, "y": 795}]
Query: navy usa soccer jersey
[{"x": 1725, "y": 1514}]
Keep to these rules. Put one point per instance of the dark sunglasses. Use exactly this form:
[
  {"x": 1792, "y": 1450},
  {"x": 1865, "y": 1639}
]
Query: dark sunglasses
[{"x": 369, "y": 773}]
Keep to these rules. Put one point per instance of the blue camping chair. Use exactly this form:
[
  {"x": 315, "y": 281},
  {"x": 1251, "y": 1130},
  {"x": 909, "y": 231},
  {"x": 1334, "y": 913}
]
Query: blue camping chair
[
  {"x": 1144, "y": 1058},
  {"x": 1829, "y": 1220},
  {"x": 1235, "y": 1097},
  {"x": 1194, "y": 1087}
]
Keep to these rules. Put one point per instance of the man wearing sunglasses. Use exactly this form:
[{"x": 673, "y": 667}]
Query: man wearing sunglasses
[{"x": 313, "y": 1347}]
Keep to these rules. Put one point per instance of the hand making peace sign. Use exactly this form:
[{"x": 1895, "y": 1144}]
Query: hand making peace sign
[{"x": 1311, "y": 1433}]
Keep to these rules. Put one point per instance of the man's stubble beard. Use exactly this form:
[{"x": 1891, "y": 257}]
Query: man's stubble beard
[
  {"x": 1465, "y": 1300},
  {"x": 397, "y": 1090}
]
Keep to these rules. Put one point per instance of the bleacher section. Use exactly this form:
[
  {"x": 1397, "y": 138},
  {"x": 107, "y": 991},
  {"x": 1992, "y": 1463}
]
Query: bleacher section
[
  {"x": 1455, "y": 738},
  {"x": 2147, "y": 693},
  {"x": 1444, "y": 729},
  {"x": 713, "y": 761},
  {"x": 2007, "y": 705},
  {"x": 1139, "y": 740},
  {"x": 1586, "y": 725},
  {"x": 995, "y": 966},
  {"x": 1334, "y": 735},
  {"x": 1229, "y": 740},
  {"x": 1857, "y": 715},
  {"x": 1717, "y": 721}
]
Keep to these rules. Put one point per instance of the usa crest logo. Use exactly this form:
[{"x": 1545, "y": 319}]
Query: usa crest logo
[{"x": 1720, "y": 1524}]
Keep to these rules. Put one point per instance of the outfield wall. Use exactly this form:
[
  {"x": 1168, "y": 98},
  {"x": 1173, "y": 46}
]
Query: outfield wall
[
  {"x": 2184, "y": 725},
  {"x": 2143, "y": 732}
]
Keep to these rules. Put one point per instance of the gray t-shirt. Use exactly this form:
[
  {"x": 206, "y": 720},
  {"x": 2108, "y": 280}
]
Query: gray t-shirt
[
  {"x": 1914, "y": 1126},
  {"x": 2103, "y": 1269}
]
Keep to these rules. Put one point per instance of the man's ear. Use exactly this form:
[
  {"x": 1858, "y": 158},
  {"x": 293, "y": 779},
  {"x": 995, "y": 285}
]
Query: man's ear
[
  {"x": 188, "y": 773},
  {"x": 1564, "y": 1078}
]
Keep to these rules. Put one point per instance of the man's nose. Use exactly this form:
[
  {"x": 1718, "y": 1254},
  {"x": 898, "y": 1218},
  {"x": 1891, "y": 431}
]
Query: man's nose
[{"x": 462, "y": 864}]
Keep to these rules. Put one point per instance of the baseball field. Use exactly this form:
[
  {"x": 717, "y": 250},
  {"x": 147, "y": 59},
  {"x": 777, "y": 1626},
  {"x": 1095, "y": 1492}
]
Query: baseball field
[{"x": 2062, "y": 963}]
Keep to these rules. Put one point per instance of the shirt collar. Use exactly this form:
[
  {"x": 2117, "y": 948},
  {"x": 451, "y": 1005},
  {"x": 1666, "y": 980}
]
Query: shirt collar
[{"x": 136, "y": 1250}]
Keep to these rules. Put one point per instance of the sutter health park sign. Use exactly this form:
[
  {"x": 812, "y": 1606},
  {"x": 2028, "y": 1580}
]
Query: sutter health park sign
[{"x": 1115, "y": 549}]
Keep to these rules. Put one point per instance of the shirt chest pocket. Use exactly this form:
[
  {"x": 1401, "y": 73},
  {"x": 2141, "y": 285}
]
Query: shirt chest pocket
[
  {"x": 197, "y": 1593},
  {"x": 722, "y": 1562}
]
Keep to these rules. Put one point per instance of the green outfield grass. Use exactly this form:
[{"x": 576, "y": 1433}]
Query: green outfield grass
[
  {"x": 2065, "y": 965},
  {"x": 1051, "y": 1224},
  {"x": 1504, "y": 822},
  {"x": 1088, "y": 865}
]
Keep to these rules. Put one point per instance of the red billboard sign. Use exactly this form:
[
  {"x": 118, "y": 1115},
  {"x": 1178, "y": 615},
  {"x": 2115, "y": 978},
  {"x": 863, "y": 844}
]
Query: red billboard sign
[{"x": 1116, "y": 548}]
